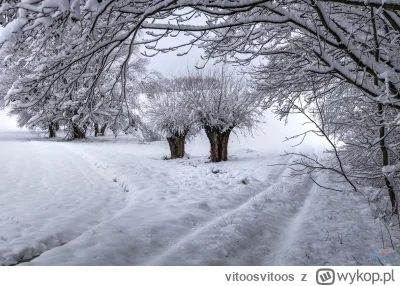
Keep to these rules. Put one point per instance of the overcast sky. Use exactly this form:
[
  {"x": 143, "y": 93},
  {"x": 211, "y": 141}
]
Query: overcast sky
[{"x": 171, "y": 64}]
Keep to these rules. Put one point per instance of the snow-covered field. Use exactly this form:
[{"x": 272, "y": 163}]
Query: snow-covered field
[{"x": 106, "y": 201}]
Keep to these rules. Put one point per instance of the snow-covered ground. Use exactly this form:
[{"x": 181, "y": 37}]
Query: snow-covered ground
[{"x": 106, "y": 201}]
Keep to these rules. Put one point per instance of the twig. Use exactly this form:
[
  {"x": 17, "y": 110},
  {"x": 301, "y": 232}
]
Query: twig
[
  {"x": 356, "y": 260},
  {"x": 325, "y": 187},
  {"x": 380, "y": 261}
]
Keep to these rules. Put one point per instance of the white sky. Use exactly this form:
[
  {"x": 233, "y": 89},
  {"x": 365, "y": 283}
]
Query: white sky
[
  {"x": 171, "y": 64},
  {"x": 7, "y": 123}
]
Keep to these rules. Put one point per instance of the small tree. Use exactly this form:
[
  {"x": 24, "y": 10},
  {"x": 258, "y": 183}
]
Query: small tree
[
  {"x": 222, "y": 102},
  {"x": 168, "y": 112}
]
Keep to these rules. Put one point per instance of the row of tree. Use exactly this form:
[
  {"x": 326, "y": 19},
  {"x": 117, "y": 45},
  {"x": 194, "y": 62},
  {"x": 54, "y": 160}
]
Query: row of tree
[
  {"x": 335, "y": 61},
  {"x": 106, "y": 107},
  {"x": 218, "y": 101}
]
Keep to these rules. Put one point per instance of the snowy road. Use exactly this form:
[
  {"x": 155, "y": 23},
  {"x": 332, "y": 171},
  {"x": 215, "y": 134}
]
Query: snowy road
[{"x": 69, "y": 203}]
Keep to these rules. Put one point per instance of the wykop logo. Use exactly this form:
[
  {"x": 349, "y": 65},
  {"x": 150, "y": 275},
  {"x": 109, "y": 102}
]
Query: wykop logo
[{"x": 325, "y": 276}]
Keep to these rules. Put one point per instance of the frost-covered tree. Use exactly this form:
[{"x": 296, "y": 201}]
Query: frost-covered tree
[
  {"x": 82, "y": 90},
  {"x": 362, "y": 133},
  {"x": 335, "y": 35},
  {"x": 168, "y": 112},
  {"x": 340, "y": 94},
  {"x": 117, "y": 100},
  {"x": 107, "y": 104},
  {"x": 7, "y": 77},
  {"x": 216, "y": 100},
  {"x": 222, "y": 103},
  {"x": 357, "y": 124}
]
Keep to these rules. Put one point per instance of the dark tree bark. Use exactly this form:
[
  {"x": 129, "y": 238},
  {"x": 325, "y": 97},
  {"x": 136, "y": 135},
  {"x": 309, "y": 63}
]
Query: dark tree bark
[
  {"x": 218, "y": 142},
  {"x": 386, "y": 162},
  {"x": 177, "y": 145},
  {"x": 52, "y": 130},
  {"x": 103, "y": 130},
  {"x": 78, "y": 132},
  {"x": 382, "y": 129},
  {"x": 96, "y": 129}
]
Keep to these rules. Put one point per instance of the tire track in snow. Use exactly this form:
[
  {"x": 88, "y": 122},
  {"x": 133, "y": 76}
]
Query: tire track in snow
[
  {"x": 291, "y": 229},
  {"x": 163, "y": 257}
]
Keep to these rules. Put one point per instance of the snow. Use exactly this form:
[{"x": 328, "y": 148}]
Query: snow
[
  {"x": 50, "y": 211},
  {"x": 107, "y": 201},
  {"x": 92, "y": 5},
  {"x": 390, "y": 168},
  {"x": 8, "y": 31}
]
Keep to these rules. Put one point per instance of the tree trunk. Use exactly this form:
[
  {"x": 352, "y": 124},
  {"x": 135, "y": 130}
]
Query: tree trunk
[
  {"x": 96, "y": 129},
  {"x": 382, "y": 129},
  {"x": 78, "y": 132},
  {"x": 103, "y": 130},
  {"x": 386, "y": 162},
  {"x": 218, "y": 143},
  {"x": 177, "y": 145},
  {"x": 52, "y": 130}
]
